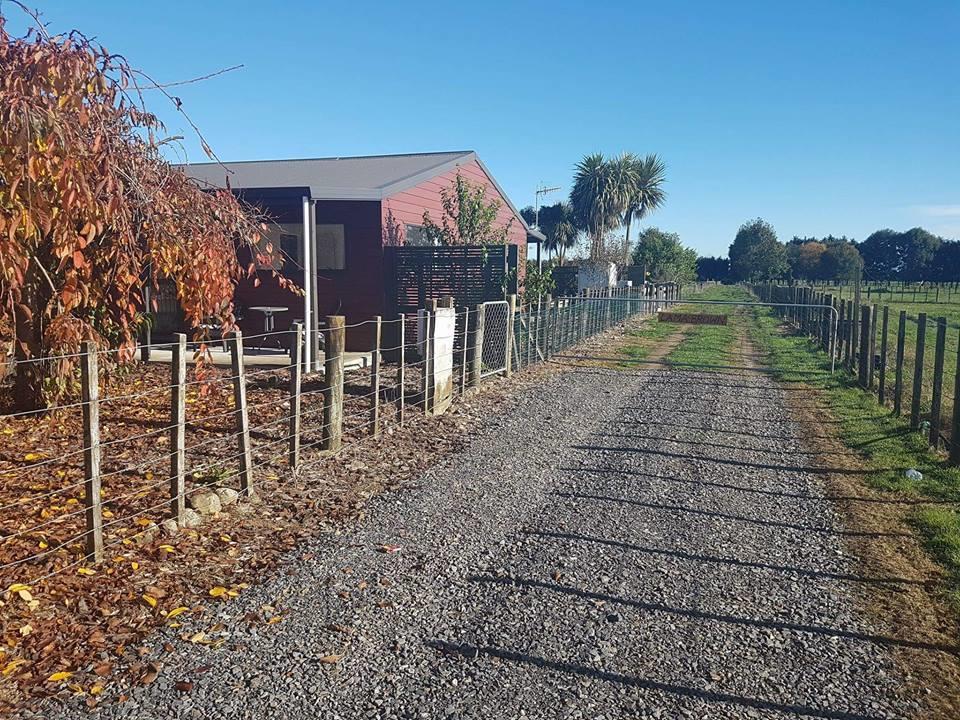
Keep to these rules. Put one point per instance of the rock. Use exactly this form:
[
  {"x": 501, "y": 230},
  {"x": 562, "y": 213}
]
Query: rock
[
  {"x": 169, "y": 527},
  {"x": 205, "y": 502},
  {"x": 191, "y": 519},
  {"x": 147, "y": 535},
  {"x": 227, "y": 496}
]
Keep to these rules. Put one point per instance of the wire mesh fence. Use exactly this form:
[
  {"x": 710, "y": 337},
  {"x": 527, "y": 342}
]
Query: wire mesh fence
[{"x": 496, "y": 322}]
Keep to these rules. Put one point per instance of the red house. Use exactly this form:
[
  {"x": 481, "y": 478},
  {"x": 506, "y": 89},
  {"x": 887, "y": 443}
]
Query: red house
[{"x": 333, "y": 218}]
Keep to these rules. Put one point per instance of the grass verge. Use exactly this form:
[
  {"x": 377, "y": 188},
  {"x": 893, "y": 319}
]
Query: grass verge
[{"x": 885, "y": 442}]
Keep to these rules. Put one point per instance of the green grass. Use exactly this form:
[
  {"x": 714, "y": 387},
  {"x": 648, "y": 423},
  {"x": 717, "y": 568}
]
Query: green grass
[
  {"x": 645, "y": 338},
  {"x": 707, "y": 345},
  {"x": 885, "y": 442},
  {"x": 950, "y": 311},
  {"x": 702, "y": 344}
]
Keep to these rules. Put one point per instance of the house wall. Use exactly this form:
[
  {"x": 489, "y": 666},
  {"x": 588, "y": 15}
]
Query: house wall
[
  {"x": 356, "y": 291},
  {"x": 408, "y": 206}
]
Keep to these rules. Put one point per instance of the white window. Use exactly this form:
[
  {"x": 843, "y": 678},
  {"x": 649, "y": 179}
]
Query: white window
[
  {"x": 287, "y": 239},
  {"x": 331, "y": 249}
]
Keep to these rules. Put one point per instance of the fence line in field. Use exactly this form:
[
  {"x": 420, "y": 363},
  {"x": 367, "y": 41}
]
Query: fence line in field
[
  {"x": 911, "y": 363},
  {"x": 903, "y": 291},
  {"x": 424, "y": 374}
]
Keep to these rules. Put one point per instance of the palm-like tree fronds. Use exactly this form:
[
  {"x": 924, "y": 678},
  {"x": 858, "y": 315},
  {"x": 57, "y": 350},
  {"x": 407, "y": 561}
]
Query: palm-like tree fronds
[
  {"x": 601, "y": 191},
  {"x": 649, "y": 173},
  {"x": 564, "y": 232}
]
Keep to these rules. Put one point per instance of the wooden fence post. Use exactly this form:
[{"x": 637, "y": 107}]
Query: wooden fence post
[
  {"x": 874, "y": 314},
  {"x": 428, "y": 380},
  {"x": 400, "y": 370},
  {"x": 375, "y": 377},
  {"x": 90, "y": 395},
  {"x": 885, "y": 326},
  {"x": 841, "y": 332},
  {"x": 296, "y": 375},
  {"x": 178, "y": 424},
  {"x": 335, "y": 335},
  {"x": 954, "y": 458},
  {"x": 937, "y": 400},
  {"x": 242, "y": 416},
  {"x": 848, "y": 336},
  {"x": 477, "y": 353},
  {"x": 898, "y": 364},
  {"x": 918, "y": 371},
  {"x": 855, "y": 318},
  {"x": 466, "y": 338},
  {"x": 548, "y": 324},
  {"x": 864, "y": 362},
  {"x": 511, "y": 315}
]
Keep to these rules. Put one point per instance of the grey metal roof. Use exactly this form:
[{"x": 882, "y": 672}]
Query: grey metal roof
[{"x": 370, "y": 177}]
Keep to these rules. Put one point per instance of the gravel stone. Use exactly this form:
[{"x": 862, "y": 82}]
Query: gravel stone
[{"x": 660, "y": 547}]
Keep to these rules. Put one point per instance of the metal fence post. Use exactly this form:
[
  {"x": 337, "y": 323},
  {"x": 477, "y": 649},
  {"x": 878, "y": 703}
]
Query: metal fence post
[
  {"x": 90, "y": 389},
  {"x": 332, "y": 434},
  {"x": 898, "y": 364},
  {"x": 296, "y": 374},
  {"x": 242, "y": 416},
  {"x": 582, "y": 306},
  {"x": 918, "y": 371},
  {"x": 936, "y": 402},
  {"x": 178, "y": 423}
]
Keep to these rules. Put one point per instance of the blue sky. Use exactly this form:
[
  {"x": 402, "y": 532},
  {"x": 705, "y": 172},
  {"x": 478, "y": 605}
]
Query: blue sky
[{"x": 821, "y": 117}]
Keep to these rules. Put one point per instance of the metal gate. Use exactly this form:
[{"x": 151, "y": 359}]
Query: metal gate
[
  {"x": 493, "y": 353},
  {"x": 599, "y": 314}
]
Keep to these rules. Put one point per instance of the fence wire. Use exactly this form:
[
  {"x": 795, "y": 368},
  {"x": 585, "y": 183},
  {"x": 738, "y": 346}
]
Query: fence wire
[{"x": 44, "y": 509}]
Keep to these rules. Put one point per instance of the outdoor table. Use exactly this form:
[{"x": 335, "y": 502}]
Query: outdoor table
[{"x": 268, "y": 317}]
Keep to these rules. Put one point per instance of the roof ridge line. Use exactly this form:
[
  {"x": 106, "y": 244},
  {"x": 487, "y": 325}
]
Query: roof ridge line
[{"x": 331, "y": 157}]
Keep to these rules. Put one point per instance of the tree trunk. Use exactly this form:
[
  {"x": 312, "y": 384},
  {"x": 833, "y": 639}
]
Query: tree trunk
[
  {"x": 28, "y": 346},
  {"x": 626, "y": 242}
]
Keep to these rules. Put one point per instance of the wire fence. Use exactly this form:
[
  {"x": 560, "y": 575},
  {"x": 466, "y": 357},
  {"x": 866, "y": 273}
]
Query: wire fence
[
  {"x": 893, "y": 291},
  {"x": 912, "y": 362},
  {"x": 146, "y": 445}
]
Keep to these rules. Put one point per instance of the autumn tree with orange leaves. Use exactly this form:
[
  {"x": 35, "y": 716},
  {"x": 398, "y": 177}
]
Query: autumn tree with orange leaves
[{"x": 90, "y": 211}]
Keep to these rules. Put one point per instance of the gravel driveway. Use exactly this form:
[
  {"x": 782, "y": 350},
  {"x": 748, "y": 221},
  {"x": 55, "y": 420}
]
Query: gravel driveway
[{"x": 639, "y": 545}]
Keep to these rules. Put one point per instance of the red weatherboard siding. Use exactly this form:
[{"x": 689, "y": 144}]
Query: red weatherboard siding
[
  {"x": 408, "y": 206},
  {"x": 356, "y": 292}
]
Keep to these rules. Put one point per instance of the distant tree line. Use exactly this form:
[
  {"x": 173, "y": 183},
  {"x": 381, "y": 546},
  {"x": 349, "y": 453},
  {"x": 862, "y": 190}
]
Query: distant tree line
[{"x": 757, "y": 254}]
